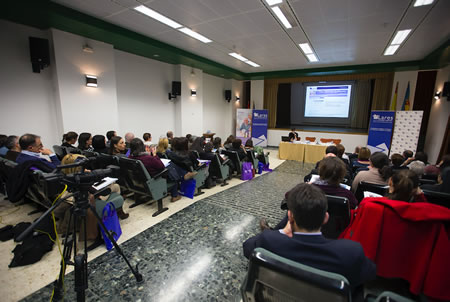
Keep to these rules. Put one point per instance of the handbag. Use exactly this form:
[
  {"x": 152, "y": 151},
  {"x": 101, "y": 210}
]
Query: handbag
[
  {"x": 247, "y": 171},
  {"x": 187, "y": 188},
  {"x": 260, "y": 167},
  {"x": 112, "y": 224}
]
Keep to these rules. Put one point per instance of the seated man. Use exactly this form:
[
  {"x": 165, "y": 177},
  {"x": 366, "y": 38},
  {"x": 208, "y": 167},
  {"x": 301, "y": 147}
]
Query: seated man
[
  {"x": 32, "y": 149},
  {"x": 12, "y": 143},
  {"x": 302, "y": 241}
]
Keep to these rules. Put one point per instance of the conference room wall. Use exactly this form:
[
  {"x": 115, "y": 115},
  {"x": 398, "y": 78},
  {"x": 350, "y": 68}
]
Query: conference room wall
[
  {"x": 350, "y": 141},
  {"x": 439, "y": 114},
  {"x": 142, "y": 88},
  {"x": 27, "y": 99}
]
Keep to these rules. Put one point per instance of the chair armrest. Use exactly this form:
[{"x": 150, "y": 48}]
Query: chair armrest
[
  {"x": 225, "y": 161},
  {"x": 160, "y": 173}
]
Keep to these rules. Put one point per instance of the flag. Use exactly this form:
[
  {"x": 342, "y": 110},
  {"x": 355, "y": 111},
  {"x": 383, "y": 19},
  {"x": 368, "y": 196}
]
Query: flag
[
  {"x": 394, "y": 100},
  {"x": 405, "y": 105}
]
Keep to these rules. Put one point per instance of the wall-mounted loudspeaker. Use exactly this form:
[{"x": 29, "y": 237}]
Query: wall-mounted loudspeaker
[
  {"x": 39, "y": 53},
  {"x": 446, "y": 90},
  {"x": 228, "y": 95},
  {"x": 176, "y": 90}
]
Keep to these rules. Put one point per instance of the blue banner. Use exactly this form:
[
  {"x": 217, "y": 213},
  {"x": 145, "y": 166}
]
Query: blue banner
[
  {"x": 380, "y": 131},
  {"x": 259, "y": 127}
]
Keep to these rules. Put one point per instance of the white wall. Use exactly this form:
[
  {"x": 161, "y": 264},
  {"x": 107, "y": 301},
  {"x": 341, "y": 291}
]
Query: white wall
[
  {"x": 350, "y": 141},
  {"x": 191, "y": 109},
  {"x": 403, "y": 78},
  {"x": 215, "y": 105},
  {"x": 257, "y": 94},
  {"x": 440, "y": 111},
  {"x": 142, "y": 95},
  {"x": 85, "y": 109},
  {"x": 237, "y": 89},
  {"x": 26, "y": 98}
]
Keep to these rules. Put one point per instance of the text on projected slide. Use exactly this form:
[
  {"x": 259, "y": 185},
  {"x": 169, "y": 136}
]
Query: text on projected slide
[{"x": 328, "y": 101}]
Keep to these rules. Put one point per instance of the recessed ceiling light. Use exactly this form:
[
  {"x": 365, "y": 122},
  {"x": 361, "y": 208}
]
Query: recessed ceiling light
[
  {"x": 281, "y": 17},
  {"x": 400, "y": 36},
  {"x": 157, "y": 16},
  {"x": 391, "y": 50},
  {"x": 312, "y": 57},
  {"x": 252, "y": 63},
  {"x": 273, "y": 2},
  {"x": 422, "y": 2},
  {"x": 306, "y": 48},
  {"x": 238, "y": 56},
  {"x": 194, "y": 35}
]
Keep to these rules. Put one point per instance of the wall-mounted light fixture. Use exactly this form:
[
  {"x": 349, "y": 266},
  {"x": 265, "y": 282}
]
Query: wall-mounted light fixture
[
  {"x": 237, "y": 98},
  {"x": 91, "y": 80},
  {"x": 193, "y": 92},
  {"x": 437, "y": 95}
]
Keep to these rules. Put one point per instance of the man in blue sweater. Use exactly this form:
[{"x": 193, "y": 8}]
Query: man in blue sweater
[{"x": 32, "y": 149}]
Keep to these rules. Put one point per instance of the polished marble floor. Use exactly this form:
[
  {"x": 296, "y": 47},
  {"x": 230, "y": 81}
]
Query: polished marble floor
[{"x": 195, "y": 254}]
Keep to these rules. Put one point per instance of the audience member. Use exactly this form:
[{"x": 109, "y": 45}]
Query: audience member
[
  {"x": 363, "y": 158},
  {"x": 404, "y": 186},
  {"x": 12, "y": 143},
  {"x": 445, "y": 162},
  {"x": 117, "y": 146},
  {"x": 397, "y": 161},
  {"x": 217, "y": 143},
  {"x": 169, "y": 135},
  {"x": 99, "y": 144},
  {"x": 378, "y": 173},
  {"x": 229, "y": 142},
  {"x": 341, "y": 153},
  {"x": 239, "y": 149},
  {"x": 85, "y": 142},
  {"x": 198, "y": 144},
  {"x": 332, "y": 171},
  {"x": 151, "y": 162},
  {"x": 182, "y": 158},
  {"x": 248, "y": 145},
  {"x": 422, "y": 156},
  {"x": 407, "y": 154},
  {"x": 302, "y": 241},
  {"x": 128, "y": 137},
  {"x": 109, "y": 135},
  {"x": 69, "y": 139},
  {"x": 443, "y": 184},
  {"x": 417, "y": 167},
  {"x": 32, "y": 149},
  {"x": 3, "y": 148},
  {"x": 163, "y": 147},
  {"x": 293, "y": 136},
  {"x": 147, "y": 139}
]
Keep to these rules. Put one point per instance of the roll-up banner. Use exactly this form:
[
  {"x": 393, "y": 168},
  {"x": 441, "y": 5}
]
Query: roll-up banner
[
  {"x": 259, "y": 127},
  {"x": 244, "y": 124},
  {"x": 380, "y": 131}
]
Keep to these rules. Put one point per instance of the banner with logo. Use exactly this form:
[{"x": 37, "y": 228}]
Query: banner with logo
[
  {"x": 406, "y": 131},
  {"x": 380, "y": 131},
  {"x": 244, "y": 124},
  {"x": 259, "y": 127}
]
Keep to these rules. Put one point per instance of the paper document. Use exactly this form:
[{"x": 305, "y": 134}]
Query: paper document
[
  {"x": 165, "y": 161},
  {"x": 104, "y": 183}
]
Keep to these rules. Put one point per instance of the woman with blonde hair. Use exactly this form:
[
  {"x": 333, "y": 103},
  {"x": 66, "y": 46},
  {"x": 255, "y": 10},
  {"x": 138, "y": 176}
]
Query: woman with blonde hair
[{"x": 163, "y": 147}]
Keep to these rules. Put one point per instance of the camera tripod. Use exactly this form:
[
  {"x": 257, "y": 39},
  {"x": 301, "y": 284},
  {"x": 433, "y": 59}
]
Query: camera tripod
[{"x": 78, "y": 212}]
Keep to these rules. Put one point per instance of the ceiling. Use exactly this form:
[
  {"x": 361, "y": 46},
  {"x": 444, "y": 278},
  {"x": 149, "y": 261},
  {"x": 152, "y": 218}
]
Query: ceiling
[{"x": 342, "y": 32}]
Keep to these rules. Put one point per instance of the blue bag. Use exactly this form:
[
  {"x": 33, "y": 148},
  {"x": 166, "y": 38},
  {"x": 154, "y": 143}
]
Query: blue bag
[
  {"x": 247, "y": 171},
  {"x": 187, "y": 188},
  {"x": 112, "y": 224},
  {"x": 260, "y": 167}
]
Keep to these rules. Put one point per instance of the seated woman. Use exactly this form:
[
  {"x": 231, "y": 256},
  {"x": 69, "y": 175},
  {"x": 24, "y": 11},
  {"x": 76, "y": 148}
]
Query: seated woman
[
  {"x": 217, "y": 144},
  {"x": 117, "y": 146},
  {"x": 443, "y": 184},
  {"x": 85, "y": 142},
  {"x": 163, "y": 147},
  {"x": 332, "y": 171},
  {"x": 184, "y": 162},
  {"x": 151, "y": 162},
  {"x": 99, "y": 144},
  {"x": 363, "y": 158},
  {"x": 229, "y": 142},
  {"x": 239, "y": 148},
  {"x": 69, "y": 139},
  {"x": 197, "y": 145},
  {"x": 378, "y": 173},
  {"x": 404, "y": 186}
]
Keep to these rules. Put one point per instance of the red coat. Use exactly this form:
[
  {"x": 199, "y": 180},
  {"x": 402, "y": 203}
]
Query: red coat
[{"x": 406, "y": 240}]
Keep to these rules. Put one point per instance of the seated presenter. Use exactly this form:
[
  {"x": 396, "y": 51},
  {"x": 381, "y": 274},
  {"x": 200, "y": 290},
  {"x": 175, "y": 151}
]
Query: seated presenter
[{"x": 293, "y": 136}]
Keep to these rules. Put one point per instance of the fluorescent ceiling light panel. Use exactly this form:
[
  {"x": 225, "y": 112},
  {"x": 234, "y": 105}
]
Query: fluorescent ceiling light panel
[
  {"x": 306, "y": 48},
  {"x": 312, "y": 57},
  {"x": 157, "y": 16},
  {"x": 238, "y": 56},
  {"x": 400, "y": 36},
  {"x": 422, "y": 2},
  {"x": 252, "y": 63},
  {"x": 194, "y": 35},
  {"x": 273, "y": 2},
  {"x": 281, "y": 17},
  {"x": 391, "y": 50}
]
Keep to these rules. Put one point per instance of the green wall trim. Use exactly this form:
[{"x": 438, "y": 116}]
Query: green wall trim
[{"x": 45, "y": 14}]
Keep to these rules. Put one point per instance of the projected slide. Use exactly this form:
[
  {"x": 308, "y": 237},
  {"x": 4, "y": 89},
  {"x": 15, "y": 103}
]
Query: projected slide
[{"x": 328, "y": 101}]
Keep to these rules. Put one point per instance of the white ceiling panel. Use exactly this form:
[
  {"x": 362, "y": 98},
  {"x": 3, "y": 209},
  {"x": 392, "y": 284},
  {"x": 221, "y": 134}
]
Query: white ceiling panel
[
  {"x": 196, "y": 8},
  {"x": 247, "y": 5},
  {"x": 128, "y": 3},
  {"x": 98, "y": 8},
  {"x": 138, "y": 22},
  {"x": 174, "y": 12},
  {"x": 222, "y": 8},
  {"x": 334, "y": 10},
  {"x": 308, "y": 12}
]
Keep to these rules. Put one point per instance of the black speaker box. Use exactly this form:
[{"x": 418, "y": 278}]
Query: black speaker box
[
  {"x": 176, "y": 88},
  {"x": 39, "y": 53},
  {"x": 228, "y": 95},
  {"x": 446, "y": 90}
]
